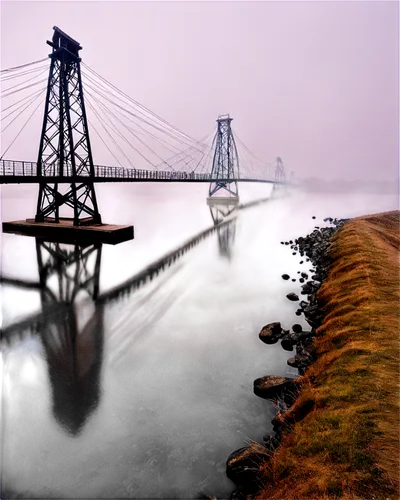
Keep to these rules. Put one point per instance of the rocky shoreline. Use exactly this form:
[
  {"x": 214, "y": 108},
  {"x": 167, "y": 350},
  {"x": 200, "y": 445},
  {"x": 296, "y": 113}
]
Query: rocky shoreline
[{"x": 313, "y": 250}]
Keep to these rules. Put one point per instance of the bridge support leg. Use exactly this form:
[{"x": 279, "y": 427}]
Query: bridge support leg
[{"x": 81, "y": 198}]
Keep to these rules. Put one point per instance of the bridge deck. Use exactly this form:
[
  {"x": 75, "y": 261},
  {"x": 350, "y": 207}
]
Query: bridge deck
[{"x": 21, "y": 172}]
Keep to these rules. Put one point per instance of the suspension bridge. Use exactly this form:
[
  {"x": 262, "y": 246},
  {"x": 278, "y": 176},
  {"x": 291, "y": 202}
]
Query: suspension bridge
[{"x": 143, "y": 146}]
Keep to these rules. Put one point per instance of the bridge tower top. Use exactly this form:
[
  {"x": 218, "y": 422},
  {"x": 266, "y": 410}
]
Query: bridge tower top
[
  {"x": 224, "y": 117},
  {"x": 63, "y": 45}
]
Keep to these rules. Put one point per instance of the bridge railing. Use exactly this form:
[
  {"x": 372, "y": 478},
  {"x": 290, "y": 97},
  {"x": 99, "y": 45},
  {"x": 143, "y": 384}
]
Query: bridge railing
[
  {"x": 137, "y": 173},
  {"x": 15, "y": 168}
]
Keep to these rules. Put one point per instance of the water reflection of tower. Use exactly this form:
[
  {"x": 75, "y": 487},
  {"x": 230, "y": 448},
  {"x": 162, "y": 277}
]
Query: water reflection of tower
[
  {"x": 72, "y": 338},
  {"x": 221, "y": 209}
]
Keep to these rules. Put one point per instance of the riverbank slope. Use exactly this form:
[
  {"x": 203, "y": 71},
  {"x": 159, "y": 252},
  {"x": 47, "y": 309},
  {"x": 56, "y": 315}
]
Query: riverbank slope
[{"x": 341, "y": 436}]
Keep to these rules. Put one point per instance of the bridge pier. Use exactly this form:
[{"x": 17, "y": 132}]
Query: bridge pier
[{"x": 65, "y": 232}]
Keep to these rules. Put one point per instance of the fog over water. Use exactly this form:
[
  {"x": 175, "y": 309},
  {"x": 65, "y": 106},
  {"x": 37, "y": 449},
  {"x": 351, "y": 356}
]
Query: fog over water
[
  {"x": 165, "y": 215},
  {"x": 180, "y": 359}
]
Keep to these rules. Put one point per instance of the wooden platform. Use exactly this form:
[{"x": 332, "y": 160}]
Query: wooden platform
[{"x": 65, "y": 232}]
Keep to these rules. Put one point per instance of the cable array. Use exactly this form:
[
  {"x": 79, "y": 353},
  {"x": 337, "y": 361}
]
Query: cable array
[
  {"x": 135, "y": 136},
  {"x": 125, "y": 132},
  {"x": 23, "y": 90},
  {"x": 251, "y": 166}
]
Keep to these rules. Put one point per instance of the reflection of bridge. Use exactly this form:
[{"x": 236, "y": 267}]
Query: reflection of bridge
[
  {"x": 78, "y": 278},
  {"x": 81, "y": 365},
  {"x": 65, "y": 152}
]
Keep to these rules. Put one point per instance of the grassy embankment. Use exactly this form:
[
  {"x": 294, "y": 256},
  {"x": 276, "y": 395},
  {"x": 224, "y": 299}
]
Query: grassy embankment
[{"x": 348, "y": 444}]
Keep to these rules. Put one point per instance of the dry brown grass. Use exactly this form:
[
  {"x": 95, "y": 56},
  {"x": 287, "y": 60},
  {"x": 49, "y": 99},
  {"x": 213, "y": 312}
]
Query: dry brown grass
[{"x": 348, "y": 444}]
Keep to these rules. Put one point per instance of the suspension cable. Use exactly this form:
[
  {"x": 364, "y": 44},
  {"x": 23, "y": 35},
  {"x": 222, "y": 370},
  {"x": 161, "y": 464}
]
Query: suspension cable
[
  {"x": 107, "y": 131},
  {"x": 26, "y": 107},
  {"x": 138, "y": 104},
  {"x": 16, "y": 137},
  {"x": 25, "y": 81},
  {"x": 130, "y": 130},
  {"x": 23, "y": 65},
  {"x": 167, "y": 132}
]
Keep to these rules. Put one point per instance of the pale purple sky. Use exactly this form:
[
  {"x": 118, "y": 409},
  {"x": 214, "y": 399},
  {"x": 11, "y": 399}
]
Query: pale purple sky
[{"x": 313, "y": 82}]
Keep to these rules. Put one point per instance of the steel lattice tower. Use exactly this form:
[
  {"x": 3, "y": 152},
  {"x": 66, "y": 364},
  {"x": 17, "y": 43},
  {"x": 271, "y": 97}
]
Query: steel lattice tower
[
  {"x": 225, "y": 168},
  {"x": 280, "y": 178},
  {"x": 65, "y": 150}
]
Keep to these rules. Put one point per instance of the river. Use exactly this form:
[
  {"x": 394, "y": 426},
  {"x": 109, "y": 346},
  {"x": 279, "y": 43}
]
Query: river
[{"x": 146, "y": 395}]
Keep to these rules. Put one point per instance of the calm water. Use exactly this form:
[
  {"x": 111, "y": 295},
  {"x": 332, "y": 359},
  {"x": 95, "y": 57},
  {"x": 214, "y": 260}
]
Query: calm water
[{"x": 145, "y": 396}]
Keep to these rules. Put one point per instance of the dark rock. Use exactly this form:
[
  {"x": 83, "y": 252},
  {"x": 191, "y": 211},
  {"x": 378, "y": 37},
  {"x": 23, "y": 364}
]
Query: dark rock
[
  {"x": 294, "y": 253},
  {"x": 301, "y": 280},
  {"x": 304, "y": 275},
  {"x": 292, "y": 296},
  {"x": 298, "y": 312},
  {"x": 297, "y": 328},
  {"x": 293, "y": 279},
  {"x": 286, "y": 243},
  {"x": 301, "y": 262},
  {"x": 292, "y": 362},
  {"x": 242, "y": 467},
  {"x": 313, "y": 217},
  {"x": 270, "y": 333},
  {"x": 287, "y": 345},
  {"x": 272, "y": 381},
  {"x": 285, "y": 276}
]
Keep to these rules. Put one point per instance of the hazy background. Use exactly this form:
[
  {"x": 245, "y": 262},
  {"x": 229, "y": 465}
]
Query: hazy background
[{"x": 313, "y": 82}]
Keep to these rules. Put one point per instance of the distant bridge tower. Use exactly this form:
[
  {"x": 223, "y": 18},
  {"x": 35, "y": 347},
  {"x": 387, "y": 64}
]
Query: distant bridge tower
[
  {"x": 65, "y": 153},
  {"x": 280, "y": 178},
  {"x": 225, "y": 168}
]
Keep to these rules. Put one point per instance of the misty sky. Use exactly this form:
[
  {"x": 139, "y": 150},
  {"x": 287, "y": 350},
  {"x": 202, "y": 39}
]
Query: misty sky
[{"x": 313, "y": 82}]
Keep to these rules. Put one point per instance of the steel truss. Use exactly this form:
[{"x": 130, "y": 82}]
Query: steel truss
[
  {"x": 65, "y": 149},
  {"x": 280, "y": 177},
  {"x": 225, "y": 161}
]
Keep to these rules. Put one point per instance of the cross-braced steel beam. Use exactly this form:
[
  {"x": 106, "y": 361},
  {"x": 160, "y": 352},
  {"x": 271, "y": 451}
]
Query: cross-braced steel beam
[
  {"x": 226, "y": 161},
  {"x": 65, "y": 149}
]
